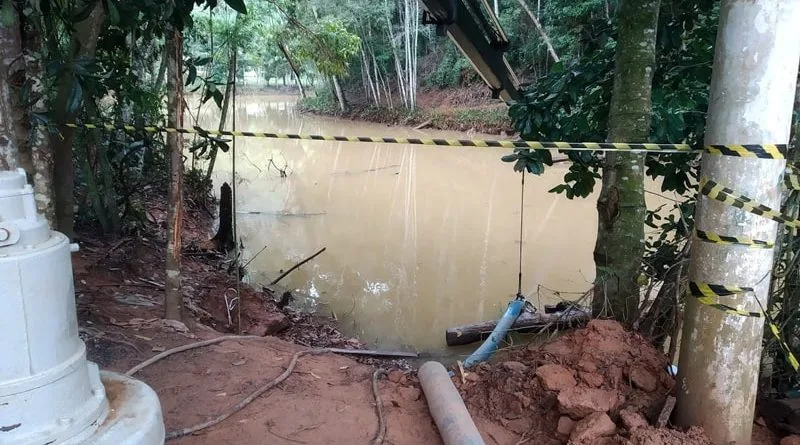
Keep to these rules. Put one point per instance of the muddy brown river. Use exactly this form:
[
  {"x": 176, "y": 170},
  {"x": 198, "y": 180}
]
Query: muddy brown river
[{"x": 419, "y": 238}]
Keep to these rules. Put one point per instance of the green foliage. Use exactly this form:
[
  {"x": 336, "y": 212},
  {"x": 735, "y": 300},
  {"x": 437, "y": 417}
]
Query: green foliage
[
  {"x": 449, "y": 72},
  {"x": 330, "y": 47}
]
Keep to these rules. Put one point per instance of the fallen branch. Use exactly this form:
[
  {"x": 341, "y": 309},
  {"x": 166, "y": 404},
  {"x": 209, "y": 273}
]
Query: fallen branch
[
  {"x": 373, "y": 353},
  {"x": 381, "y": 434},
  {"x": 572, "y": 317},
  {"x": 423, "y": 125},
  {"x": 188, "y": 347},
  {"x": 666, "y": 412},
  {"x": 539, "y": 28},
  {"x": 283, "y": 275}
]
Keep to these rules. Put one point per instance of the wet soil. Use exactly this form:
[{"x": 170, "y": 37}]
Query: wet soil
[{"x": 597, "y": 385}]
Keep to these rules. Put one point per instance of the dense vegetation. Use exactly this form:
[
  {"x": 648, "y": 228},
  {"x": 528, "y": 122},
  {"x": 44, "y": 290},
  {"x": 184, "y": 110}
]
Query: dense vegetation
[{"x": 128, "y": 61}]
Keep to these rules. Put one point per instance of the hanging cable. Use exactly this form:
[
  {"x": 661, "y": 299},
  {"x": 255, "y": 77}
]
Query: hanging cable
[
  {"x": 237, "y": 253},
  {"x": 521, "y": 222}
]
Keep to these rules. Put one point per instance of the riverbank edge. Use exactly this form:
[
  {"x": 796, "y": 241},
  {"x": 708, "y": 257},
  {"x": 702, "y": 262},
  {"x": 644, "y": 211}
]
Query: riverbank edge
[{"x": 486, "y": 120}]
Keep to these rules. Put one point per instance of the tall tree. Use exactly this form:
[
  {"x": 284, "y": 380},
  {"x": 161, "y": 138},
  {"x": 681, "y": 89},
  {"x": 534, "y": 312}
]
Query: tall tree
[
  {"x": 173, "y": 303},
  {"x": 621, "y": 207},
  {"x": 83, "y": 43},
  {"x": 10, "y": 57},
  {"x": 752, "y": 90}
]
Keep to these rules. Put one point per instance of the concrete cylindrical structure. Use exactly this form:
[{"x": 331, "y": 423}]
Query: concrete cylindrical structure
[
  {"x": 446, "y": 407},
  {"x": 49, "y": 392}
]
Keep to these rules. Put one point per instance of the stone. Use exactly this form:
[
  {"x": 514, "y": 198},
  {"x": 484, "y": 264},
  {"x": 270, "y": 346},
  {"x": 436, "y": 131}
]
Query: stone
[
  {"x": 565, "y": 426},
  {"x": 580, "y": 402},
  {"x": 587, "y": 365},
  {"x": 791, "y": 440},
  {"x": 592, "y": 379},
  {"x": 515, "y": 366},
  {"x": 519, "y": 426},
  {"x": 643, "y": 379},
  {"x": 409, "y": 393},
  {"x": 555, "y": 377},
  {"x": 632, "y": 420},
  {"x": 592, "y": 427},
  {"x": 614, "y": 375},
  {"x": 472, "y": 377},
  {"x": 396, "y": 376}
]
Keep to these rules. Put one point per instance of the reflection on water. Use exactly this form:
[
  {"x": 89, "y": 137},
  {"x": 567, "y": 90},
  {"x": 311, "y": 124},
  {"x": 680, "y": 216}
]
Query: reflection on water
[{"x": 418, "y": 238}]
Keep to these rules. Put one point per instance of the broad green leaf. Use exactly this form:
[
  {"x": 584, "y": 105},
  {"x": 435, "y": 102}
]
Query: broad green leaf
[{"x": 237, "y": 5}]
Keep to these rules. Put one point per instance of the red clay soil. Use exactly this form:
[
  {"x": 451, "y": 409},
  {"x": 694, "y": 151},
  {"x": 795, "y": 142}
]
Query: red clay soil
[{"x": 598, "y": 385}]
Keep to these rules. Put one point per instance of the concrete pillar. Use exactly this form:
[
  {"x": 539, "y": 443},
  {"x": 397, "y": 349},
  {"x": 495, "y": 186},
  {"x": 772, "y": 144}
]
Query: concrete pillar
[{"x": 752, "y": 91}]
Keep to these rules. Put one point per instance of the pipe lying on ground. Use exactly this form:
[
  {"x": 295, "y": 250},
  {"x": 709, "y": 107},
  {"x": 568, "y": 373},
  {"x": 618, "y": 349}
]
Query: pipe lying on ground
[
  {"x": 498, "y": 334},
  {"x": 446, "y": 407},
  {"x": 526, "y": 322}
]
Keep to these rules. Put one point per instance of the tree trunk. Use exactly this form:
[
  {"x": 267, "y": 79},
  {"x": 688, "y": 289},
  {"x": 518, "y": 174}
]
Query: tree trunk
[
  {"x": 41, "y": 150},
  {"x": 84, "y": 43},
  {"x": 752, "y": 90},
  {"x": 540, "y": 29},
  {"x": 10, "y": 61},
  {"x": 162, "y": 68},
  {"x": 339, "y": 93},
  {"x": 173, "y": 301},
  {"x": 224, "y": 238},
  {"x": 295, "y": 71},
  {"x": 223, "y": 115},
  {"x": 621, "y": 206}
]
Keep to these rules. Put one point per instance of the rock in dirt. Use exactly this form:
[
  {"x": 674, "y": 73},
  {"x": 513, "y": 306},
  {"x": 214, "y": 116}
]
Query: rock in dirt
[
  {"x": 791, "y": 440},
  {"x": 397, "y": 376},
  {"x": 519, "y": 426},
  {"x": 580, "y": 402},
  {"x": 643, "y": 379},
  {"x": 514, "y": 366},
  {"x": 632, "y": 420},
  {"x": 592, "y": 427},
  {"x": 592, "y": 379},
  {"x": 555, "y": 377},
  {"x": 409, "y": 393},
  {"x": 565, "y": 426},
  {"x": 664, "y": 436}
]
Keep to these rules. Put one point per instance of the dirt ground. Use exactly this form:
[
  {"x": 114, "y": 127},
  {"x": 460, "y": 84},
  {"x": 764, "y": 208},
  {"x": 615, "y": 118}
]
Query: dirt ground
[{"x": 597, "y": 385}]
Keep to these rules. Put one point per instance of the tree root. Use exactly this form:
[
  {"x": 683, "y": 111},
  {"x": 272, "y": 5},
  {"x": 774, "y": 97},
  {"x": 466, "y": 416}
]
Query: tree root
[
  {"x": 379, "y": 437},
  {"x": 381, "y": 434}
]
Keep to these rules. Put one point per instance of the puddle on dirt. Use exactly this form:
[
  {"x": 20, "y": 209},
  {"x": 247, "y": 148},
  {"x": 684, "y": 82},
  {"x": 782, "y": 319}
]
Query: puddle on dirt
[{"x": 419, "y": 238}]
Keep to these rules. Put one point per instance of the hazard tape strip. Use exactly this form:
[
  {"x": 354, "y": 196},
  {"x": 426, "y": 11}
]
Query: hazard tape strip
[
  {"x": 708, "y": 294},
  {"x": 791, "y": 177},
  {"x": 762, "y": 151},
  {"x": 730, "y": 197},
  {"x": 535, "y": 145},
  {"x": 711, "y": 237}
]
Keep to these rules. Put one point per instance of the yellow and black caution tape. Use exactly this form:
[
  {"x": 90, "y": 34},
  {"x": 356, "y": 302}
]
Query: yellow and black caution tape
[
  {"x": 535, "y": 145},
  {"x": 730, "y": 197},
  {"x": 763, "y": 151},
  {"x": 711, "y": 237},
  {"x": 708, "y": 294}
]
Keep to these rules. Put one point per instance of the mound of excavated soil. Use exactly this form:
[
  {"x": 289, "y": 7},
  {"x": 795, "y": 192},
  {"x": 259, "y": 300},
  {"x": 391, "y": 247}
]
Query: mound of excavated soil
[{"x": 597, "y": 385}]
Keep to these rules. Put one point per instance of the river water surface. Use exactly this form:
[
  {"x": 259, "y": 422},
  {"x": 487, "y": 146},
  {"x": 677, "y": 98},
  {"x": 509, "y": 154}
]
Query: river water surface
[{"x": 419, "y": 238}]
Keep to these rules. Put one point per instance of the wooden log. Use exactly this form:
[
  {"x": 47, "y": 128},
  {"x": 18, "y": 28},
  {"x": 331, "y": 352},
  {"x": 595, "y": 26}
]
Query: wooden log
[{"x": 527, "y": 322}]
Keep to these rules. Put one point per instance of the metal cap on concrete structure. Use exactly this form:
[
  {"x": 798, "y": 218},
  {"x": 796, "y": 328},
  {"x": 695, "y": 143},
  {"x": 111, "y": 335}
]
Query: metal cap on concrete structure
[{"x": 49, "y": 392}]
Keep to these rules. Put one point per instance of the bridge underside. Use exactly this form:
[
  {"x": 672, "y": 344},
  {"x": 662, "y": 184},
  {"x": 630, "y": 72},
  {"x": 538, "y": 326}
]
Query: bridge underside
[{"x": 472, "y": 26}]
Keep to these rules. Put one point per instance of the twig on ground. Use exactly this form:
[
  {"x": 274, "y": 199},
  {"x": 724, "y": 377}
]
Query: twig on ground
[
  {"x": 188, "y": 347},
  {"x": 283, "y": 275},
  {"x": 284, "y": 437},
  {"x": 666, "y": 412},
  {"x": 381, "y": 434}
]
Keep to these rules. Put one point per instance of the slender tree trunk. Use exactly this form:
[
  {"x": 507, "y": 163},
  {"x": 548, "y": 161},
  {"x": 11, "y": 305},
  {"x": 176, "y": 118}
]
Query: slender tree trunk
[
  {"x": 295, "y": 71},
  {"x": 541, "y": 31},
  {"x": 621, "y": 206},
  {"x": 10, "y": 61},
  {"x": 173, "y": 302},
  {"x": 84, "y": 43},
  {"x": 162, "y": 68},
  {"x": 41, "y": 150},
  {"x": 339, "y": 94},
  {"x": 223, "y": 115},
  {"x": 752, "y": 89}
]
